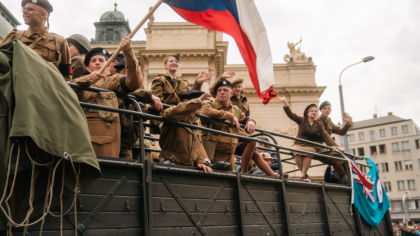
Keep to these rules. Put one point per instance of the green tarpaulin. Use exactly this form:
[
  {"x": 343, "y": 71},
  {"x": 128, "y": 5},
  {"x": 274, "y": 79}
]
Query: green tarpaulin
[{"x": 37, "y": 103}]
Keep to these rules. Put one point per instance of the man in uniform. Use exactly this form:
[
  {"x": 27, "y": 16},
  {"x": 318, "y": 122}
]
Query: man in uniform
[
  {"x": 52, "y": 47},
  {"x": 222, "y": 109},
  {"x": 182, "y": 145},
  {"x": 79, "y": 45}
]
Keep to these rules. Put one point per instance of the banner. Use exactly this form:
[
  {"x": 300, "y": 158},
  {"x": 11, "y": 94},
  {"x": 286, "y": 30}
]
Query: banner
[{"x": 369, "y": 195}]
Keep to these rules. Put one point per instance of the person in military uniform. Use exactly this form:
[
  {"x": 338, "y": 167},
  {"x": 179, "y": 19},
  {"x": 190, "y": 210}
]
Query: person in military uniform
[
  {"x": 79, "y": 45},
  {"x": 168, "y": 87},
  {"x": 104, "y": 127},
  {"x": 237, "y": 98},
  {"x": 52, "y": 47},
  {"x": 325, "y": 109},
  {"x": 222, "y": 109},
  {"x": 182, "y": 145},
  {"x": 330, "y": 127}
]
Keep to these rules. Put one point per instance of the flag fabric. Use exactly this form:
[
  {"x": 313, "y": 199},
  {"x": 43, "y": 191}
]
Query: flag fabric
[
  {"x": 369, "y": 195},
  {"x": 241, "y": 20}
]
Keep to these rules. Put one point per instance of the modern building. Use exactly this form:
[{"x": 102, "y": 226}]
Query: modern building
[
  {"x": 7, "y": 21},
  {"x": 393, "y": 143}
]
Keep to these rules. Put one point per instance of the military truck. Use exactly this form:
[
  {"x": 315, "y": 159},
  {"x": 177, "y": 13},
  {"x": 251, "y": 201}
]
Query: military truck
[{"x": 140, "y": 197}]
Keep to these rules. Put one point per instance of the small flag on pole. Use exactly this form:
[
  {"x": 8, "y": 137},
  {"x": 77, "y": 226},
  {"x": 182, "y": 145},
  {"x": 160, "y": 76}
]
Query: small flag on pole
[{"x": 241, "y": 20}]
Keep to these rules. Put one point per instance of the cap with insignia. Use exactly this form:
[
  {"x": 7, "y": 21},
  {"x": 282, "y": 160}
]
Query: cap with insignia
[
  {"x": 42, "y": 3},
  {"x": 93, "y": 52},
  {"x": 191, "y": 94},
  {"x": 221, "y": 83}
]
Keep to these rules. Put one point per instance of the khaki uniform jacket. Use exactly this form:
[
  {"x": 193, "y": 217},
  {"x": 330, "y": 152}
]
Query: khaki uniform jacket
[
  {"x": 242, "y": 103},
  {"x": 225, "y": 147},
  {"x": 106, "y": 136},
  {"x": 330, "y": 127},
  {"x": 316, "y": 133},
  {"x": 169, "y": 89},
  {"x": 181, "y": 144},
  {"x": 78, "y": 66},
  {"x": 52, "y": 47}
]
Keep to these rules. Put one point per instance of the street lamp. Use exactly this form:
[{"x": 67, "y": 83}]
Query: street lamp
[{"x": 364, "y": 60}]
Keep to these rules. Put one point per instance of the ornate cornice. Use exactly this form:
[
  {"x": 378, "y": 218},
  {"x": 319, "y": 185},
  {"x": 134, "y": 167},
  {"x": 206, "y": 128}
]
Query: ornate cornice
[{"x": 290, "y": 90}]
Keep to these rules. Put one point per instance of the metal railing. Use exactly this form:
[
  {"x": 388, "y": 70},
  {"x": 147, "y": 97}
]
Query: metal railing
[{"x": 141, "y": 116}]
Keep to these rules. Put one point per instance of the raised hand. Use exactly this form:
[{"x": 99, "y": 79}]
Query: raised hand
[
  {"x": 228, "y": 74},
  {"x": 283, "y": 99},
  {"x": 202, "y": 76},
  {"x": 125, "y": 44},
  {"x": 347, "y": 118}
]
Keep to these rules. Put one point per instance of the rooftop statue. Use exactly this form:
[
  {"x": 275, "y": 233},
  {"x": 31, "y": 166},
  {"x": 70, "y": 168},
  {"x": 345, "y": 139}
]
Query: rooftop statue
[{"x": 296, "y": 56}]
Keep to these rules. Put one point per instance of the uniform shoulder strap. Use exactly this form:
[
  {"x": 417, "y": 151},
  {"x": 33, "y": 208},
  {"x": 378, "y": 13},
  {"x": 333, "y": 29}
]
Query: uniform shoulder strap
[
  {"x": 165, "y": 81},
  {"x": 19, "y": 33}
]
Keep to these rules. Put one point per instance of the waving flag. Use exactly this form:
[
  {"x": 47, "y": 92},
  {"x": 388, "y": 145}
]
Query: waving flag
[
  {"x": 241, "y": 20},
  {"x": 369, "y": 196}
]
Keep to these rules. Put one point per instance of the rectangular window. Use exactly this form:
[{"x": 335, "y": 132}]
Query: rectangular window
[
  {"x": 351, "y": 137},
  {"x": 387, "y": 186},
  {"x": 408, "y": 165},
  {"x": 384, "y": 167},
  {"x": 401, "y": 185},
  {"x": 361, "y": 136},
  {"x": 382, "y": 133},
  {"x": 398, "y": 166},
  {"x": 373, "y": 150},
  {"x": 353, "y": 151},
  {"x": 361, "y": 151},
  {"x": 417, "y": 143},
  {"x": 405, "y": 129},
  {"x": 405, "y": 146},
  {"x": 382, "y": 149},
  {"x": 372, "y": 135},
  {"x": 394, "y": 131},
  {"x": 411, "y": 184},
  {"x": 395, "y": 147}
]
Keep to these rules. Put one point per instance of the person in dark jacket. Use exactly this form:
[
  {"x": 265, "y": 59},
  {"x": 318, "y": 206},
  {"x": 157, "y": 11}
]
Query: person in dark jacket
[{"x": 310, "y": 129}]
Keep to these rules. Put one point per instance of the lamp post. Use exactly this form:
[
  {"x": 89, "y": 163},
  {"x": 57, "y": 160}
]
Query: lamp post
[
  {"x": 340, "y": 88},
  {"x": 405, "y": 208}
]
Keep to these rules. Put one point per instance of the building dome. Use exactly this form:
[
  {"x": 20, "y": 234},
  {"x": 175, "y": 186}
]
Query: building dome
[{"x": 112, "y": 16}]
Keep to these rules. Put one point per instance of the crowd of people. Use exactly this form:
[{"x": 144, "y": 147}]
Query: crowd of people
[
  {"x": 114, "y": 135},
  {"x": 412, "y": 229}
]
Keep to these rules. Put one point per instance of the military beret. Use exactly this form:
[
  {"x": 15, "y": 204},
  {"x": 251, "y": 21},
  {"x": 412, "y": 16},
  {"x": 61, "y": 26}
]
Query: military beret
[
  {"x": 120, "y": 65},
  {"x": 323, "y": 104},
  {"x": 80, "y": 42},
  {"x": 237, "y": 81},
  {"x": 42, "y": 3},
  {"x": 222, "y": 83},
  {"x": 191, "y": 94},
  {"x": 94, "y": 52}
]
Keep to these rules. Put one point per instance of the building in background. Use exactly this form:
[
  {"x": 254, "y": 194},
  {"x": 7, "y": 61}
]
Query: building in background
[
  {"x": 7, "y": 21},
  {"x": 200, "y": 49},
  {"x": 393, "y": 143}
]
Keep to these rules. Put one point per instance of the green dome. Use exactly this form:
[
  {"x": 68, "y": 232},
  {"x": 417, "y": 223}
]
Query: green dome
[{"x": 112, "y": 16}]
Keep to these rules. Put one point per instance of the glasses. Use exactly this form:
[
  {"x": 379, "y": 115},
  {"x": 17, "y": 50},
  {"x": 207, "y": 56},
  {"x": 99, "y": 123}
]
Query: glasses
[{"x": 173, "y": 61}]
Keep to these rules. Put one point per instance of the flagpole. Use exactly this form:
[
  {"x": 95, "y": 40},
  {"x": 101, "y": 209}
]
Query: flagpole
[{"x": 114, "y": 55}]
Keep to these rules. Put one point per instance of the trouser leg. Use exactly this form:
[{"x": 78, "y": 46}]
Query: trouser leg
[{"x": 247, "y": 155}]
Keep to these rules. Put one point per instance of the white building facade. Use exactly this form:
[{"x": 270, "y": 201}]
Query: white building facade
[{"x": 393, "y": 143}]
